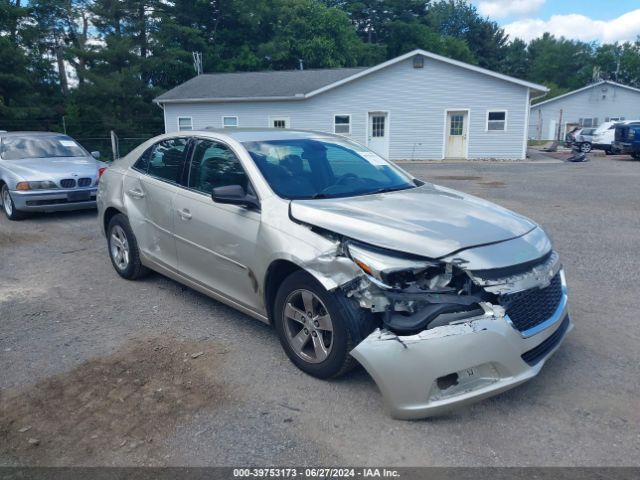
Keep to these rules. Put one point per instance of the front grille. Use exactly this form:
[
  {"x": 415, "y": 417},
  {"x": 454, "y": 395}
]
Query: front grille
[
  {"x": 536, "y": 354},
  {"x": 532, "y": 307},
  {"x": 84, "y": 182},
  {"x": 68, "y": 183}
]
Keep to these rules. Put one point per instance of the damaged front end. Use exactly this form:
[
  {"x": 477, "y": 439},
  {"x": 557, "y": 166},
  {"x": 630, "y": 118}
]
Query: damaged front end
[{"x": 450, "y": 335}]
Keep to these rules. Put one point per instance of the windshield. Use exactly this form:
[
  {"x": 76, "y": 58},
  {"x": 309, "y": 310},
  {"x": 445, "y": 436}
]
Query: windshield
[
  {"x": 324, "y": 168},
  {"x": 19, "y": 148}
]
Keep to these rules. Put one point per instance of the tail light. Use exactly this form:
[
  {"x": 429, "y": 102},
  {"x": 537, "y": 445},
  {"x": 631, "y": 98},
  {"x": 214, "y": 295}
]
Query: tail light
[{"x": 100, "y": 172}]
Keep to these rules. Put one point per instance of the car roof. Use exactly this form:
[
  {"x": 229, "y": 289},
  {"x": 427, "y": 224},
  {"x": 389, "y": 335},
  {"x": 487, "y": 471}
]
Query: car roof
[
  {"x": 263, "y": 134},
  {"x": 32, "y": 134}
]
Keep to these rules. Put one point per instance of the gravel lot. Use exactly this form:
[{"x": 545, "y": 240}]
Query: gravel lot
[{"x": 110, "y": 372}]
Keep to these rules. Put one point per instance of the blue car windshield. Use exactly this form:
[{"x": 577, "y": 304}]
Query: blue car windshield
[
  {"x": 23, "y": 147},
  {"x": 324, "y": 168}
]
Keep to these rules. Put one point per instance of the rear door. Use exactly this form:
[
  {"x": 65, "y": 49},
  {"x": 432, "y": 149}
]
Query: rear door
[
  {"x": 216, "y": 243},
  {"x": 150, "y": 188}
]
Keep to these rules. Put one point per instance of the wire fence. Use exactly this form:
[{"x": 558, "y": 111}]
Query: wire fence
[
  {"x": 104, "y": 145},
  {"x": 91, "y": 136}
]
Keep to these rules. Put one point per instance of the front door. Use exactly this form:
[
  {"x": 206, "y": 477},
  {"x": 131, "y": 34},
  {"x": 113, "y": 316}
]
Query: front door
[
  {"x": 216, "y": 243},
  {"x": 456, "y": 137},
  {"x": 378, "y": 139}
]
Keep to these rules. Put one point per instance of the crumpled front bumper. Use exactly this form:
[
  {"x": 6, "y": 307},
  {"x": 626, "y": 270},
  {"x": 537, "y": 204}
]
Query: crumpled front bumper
[{"x": 430, "y": 372}]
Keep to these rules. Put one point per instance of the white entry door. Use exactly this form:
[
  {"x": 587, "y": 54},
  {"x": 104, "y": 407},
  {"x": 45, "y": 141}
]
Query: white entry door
[
  {"x": 378, "y": 140},
  {"x": 456, "y": 136},
  {"x": 553, "y": 130}
]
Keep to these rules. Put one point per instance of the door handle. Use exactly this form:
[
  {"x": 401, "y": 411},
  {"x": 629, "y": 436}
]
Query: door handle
[
  {"x": 135, "y": 193},
  {"x": 185, "y": 214}
]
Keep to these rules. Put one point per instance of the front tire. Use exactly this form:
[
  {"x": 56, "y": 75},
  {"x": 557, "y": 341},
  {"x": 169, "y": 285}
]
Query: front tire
[
  {"x": 8, "y": 206},
  {"x": 317, "y": 329},
  {"x": 585, "y": 147},
  {"x": 123, "y": 249}
]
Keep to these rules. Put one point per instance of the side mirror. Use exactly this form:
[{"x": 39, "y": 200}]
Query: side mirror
[
  {"x": 95, "y": 155},
  {"x": 234, "y": 195}
]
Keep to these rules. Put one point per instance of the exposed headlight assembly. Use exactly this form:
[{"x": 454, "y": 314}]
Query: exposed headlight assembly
[
  {"x": 388, "y": 271},
  {"x": 39, "y": 185}
]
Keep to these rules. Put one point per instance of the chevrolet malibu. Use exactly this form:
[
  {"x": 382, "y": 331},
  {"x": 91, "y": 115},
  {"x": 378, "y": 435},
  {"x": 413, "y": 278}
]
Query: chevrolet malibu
[
  {"x": 444, "y": 298},
  {"x": 41, "y": 171}
]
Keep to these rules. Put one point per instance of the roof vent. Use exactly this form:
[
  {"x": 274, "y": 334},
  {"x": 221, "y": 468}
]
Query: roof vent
[{"x": 418, "y": 61}]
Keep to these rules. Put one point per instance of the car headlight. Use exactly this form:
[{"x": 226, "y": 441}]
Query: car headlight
[
  {"x": 388, "y": 270},
  {"x": 42, "y": 185}
]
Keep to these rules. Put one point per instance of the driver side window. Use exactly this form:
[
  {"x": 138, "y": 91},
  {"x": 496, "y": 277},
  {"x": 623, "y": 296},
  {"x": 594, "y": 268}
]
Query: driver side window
[{"x": 214, "y": 165}]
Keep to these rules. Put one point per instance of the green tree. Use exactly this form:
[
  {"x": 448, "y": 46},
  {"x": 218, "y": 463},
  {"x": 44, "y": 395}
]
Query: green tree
[
  {"x": 460, "y": 19},
  {"x": 566, "y": 63},
  {"x": 406, "y": 36}
]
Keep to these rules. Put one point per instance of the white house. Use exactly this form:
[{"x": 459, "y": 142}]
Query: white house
[
  {"x": 419, "y": 106},
  {"x": 588, "y": 107}
]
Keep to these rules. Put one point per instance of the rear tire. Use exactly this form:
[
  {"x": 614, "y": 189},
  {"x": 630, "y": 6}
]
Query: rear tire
[
  {"x": 8, "y": 206},
  {"x": 585, "y": 147},
  {"x": 123, "y": 249},
  {"x": 318, "y": 347}
]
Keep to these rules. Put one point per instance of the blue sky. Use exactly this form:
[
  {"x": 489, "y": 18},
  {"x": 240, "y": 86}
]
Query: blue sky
[{"x": 589, "y": 20}]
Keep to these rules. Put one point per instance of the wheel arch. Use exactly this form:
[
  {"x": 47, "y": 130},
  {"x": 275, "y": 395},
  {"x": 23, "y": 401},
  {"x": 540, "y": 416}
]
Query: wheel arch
[
  {"x": 109, "y": 213},
  {"x": 276, "y": 273}
]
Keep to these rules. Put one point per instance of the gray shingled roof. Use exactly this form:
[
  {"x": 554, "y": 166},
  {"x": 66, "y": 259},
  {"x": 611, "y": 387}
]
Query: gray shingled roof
[{"x": 254, "y": 85}]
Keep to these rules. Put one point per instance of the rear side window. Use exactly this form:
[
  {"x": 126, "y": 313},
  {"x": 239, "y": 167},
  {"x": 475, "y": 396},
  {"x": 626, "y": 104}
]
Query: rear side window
[
  {"x": 142, "y": 164},
  {"x": 214, "y": 165},
  {"x": 164, "y": 160}
]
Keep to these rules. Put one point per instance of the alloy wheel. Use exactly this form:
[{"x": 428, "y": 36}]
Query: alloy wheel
[
  {"x": 6, "y": 201},
  {"x": 307, "y": 326},
  {"x": 119, "y": 247}
]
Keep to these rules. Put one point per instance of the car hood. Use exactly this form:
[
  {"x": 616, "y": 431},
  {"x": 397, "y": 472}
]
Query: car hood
[
  {"x": 52, "y": 167},
  {"x": 429, "y": 221}
]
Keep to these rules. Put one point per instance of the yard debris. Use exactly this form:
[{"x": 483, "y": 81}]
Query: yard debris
[{"x": 196, "y": 355}]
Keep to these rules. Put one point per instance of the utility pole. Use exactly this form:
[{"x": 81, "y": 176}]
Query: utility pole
[{"x": 197, "y": 62}]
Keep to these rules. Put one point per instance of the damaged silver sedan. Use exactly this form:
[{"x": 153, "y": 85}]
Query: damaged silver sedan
[{"x": 444, "y": 298}]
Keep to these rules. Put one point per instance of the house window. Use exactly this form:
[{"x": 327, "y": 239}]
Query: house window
[
  {"x": 377, "y": 126},
  {"x": 185, "y": 123},
  {"x": 589, "y": 122},
  {"x": 457, "y": 124},
  {"x": 342, "y": 124},
  {"x": 497, "y": 120},
  {"x": 229, "y": 122},
  {"x": 279, "y": 122}
]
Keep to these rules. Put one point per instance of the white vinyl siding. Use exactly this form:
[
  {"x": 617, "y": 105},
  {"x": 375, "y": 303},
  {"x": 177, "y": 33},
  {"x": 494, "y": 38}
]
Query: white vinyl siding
[
  {"x": 415, "y": 100},
  {"x": 185, "y": 123},
  {"x": 596, "y": 104}
]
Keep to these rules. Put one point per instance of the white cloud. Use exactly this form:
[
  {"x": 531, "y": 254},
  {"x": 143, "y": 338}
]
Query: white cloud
[
  {"x": 506, "y": 8},
  {"x": 579, "y": 27}
]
